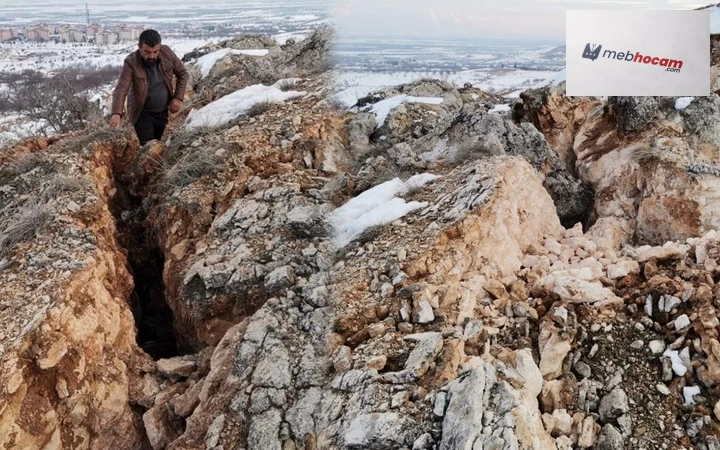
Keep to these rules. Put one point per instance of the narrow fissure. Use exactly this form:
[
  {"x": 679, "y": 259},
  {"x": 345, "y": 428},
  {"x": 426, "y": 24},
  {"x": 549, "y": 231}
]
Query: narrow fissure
[{"x": 153, "y": 317}]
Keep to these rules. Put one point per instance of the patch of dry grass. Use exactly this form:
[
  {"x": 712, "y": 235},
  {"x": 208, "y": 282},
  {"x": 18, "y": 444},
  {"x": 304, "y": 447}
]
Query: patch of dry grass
[
  {"x": 259, "y": 108},
  {"x": 27, "y": 223},
  {"x": 187, "y": 169},
  {"x": 60, "y": 184},
  {"x": 21, "y": 164},
  {"x": 288, "y": 84}
]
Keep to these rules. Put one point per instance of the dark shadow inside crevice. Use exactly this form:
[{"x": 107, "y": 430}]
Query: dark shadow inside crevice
[{"x": 154, "y": 318}]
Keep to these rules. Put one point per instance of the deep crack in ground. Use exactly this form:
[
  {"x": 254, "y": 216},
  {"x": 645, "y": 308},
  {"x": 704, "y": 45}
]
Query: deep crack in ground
[{"x": 153, "y": 317}]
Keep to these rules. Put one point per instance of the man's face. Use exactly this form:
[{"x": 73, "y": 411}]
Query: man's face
[{"x": 149, "y": 53}]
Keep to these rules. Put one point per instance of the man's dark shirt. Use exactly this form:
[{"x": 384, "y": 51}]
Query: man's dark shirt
[{"x": 158, "y": 94}]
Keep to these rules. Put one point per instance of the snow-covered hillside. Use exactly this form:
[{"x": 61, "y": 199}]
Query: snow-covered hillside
[
  {"x": 351, "y": 86},
  {"x": 48, "y": 57},
  {"x": 51, "y": 57}
]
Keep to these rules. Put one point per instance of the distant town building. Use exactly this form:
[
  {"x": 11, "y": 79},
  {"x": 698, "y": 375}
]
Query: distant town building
[
  {"x": 6, "y": 34},
  {"x": 127, "y": 32},
  {"x": 130, "y": 34},
  {"x": 93, "y": 30},
  {"x": 72, "y": 34},
  {"x": 37, "y": 34},
  {"x": 52, "y": 29},
  {"x": 107, "y": 38},
  {"x": 75, "y": 34}
]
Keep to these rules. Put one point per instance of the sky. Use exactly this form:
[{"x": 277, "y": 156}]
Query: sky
[
  {"x": 521, "y": 19},
  {"x": 24, "y": 11}
]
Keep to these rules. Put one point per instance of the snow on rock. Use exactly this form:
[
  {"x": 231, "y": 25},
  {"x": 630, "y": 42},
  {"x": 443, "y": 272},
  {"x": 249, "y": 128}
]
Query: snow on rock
[
  {"x": 376, "y": 206},
  {"x": 499, "y": 108},
  {"x": 382, "y": 108},
  {"x": 683, "y": 102},
  {"x": 222, "y": 111},
  {"x": 207, "y": 62},
  {"x": 297, "y": 36}
]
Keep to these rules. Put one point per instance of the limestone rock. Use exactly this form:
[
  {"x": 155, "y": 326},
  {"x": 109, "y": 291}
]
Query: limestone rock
[
  {"x": 588, "y": 433},
  {"x": 613, "y": 405},
  {"x": 162, "y": 426},
  {"x": 382, "y": 431},
  {"x": 429, "y": 345},
  {"x": 610, "y": 439},
  {"x": 463, "y": 417},
  {"x": 178, "y": 367},
  {"x": 634, "y": 113}
]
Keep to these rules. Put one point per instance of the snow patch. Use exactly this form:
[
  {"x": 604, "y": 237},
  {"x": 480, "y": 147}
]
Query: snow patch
[
  {"x": 376, "y": 206},
  {"x": 382, "y": 108},
  {"x": 349, "y": 86},
  {"x": 222, "y": 111},
  {"x": 683, "y": 102},
  {"x": 499, "y": 109},
  {"x": 554, "y": 80},
  {"x": 207, "y": 62},
  {"x": 283, "y": 38}
]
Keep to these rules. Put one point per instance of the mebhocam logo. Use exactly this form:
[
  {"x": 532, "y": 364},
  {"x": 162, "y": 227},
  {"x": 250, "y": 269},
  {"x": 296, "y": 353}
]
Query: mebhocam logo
[{"x": 592, "y": 52}]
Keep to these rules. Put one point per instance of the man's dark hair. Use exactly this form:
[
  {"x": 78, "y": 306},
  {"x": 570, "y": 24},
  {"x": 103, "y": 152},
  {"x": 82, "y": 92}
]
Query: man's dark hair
[{"x": 151, "y": 38}]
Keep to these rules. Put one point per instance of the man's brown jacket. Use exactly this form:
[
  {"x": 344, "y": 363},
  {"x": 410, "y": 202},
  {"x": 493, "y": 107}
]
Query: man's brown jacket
[{"x": 133, "y": 83}]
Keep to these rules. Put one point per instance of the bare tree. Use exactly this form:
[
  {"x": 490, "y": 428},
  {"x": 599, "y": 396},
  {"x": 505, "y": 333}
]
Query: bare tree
[{"x": 61, "y": 100}]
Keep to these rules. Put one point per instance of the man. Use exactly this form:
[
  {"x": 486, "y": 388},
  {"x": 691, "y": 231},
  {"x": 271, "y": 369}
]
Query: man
[{"x": 146, "y": 81}]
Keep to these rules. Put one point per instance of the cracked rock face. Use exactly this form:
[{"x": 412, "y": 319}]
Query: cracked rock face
[
  {"x": 64, "y": 349},
  {"x": 634, "y": 113},
  {"x": 652, "y": 167},
  {"x": 292, "y": 382},
  {"x": 474, "y": 320},
  {"x": 457, "y": 130}
]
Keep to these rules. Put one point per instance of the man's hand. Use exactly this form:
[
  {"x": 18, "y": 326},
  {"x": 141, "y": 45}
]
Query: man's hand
[
  {"x": 175, "y": 106},
  {"x": 115, "y": 120}
]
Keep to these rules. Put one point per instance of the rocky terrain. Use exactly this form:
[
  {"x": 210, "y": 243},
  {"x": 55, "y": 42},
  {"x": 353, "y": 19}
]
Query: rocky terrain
[{"x": 436, "y": 273}]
